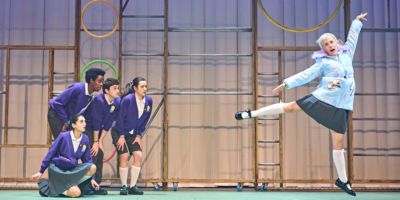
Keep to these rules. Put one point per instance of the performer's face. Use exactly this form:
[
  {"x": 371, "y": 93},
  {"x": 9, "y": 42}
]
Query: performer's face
[
  {"x": 114, "y": 91},
  {"x": 98, "y": 83},
  {"x": 141, "y": 89},
  {"x": 330, "y": 46},
  {"x": 80, "y": 124}
]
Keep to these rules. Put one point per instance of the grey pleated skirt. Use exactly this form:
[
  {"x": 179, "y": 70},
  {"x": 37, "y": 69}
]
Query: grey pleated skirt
[
  {"x": 327, "y": 115},
  {"x": 60, "y": 180}
]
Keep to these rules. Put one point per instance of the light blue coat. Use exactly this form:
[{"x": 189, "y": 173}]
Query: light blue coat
[{"x": 330, "y": 69}]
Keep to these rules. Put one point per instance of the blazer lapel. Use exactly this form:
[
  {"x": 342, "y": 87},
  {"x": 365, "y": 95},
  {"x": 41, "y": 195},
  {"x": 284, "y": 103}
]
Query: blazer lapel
[
  {"x": 145, "y": 113},
  {"x": 135, "y": 107}
]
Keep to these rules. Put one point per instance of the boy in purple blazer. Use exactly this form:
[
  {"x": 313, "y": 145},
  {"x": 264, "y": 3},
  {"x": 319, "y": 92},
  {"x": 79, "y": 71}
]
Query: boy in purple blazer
[
  {"x": 73, "y": 100},
  {"x": 100, "y": 115}
]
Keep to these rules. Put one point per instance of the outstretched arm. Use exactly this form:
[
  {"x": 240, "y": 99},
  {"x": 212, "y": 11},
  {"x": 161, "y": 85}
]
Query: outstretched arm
[
  {"x": 354, "y": 31},
  {"x": 302, "y": 78}
]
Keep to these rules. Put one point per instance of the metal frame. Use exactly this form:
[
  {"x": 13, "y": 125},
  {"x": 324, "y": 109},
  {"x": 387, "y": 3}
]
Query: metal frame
[
  {"x": 166, "y": 54},
  {"x": 50, "y": 88}
]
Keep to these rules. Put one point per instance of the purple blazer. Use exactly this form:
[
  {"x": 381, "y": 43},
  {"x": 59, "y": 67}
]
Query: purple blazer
[
  {"x": 127, "y": 117},
  {"x": 62, "y": 153}
]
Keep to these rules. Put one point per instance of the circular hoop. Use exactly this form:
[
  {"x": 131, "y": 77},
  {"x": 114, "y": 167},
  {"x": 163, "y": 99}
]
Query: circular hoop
[
  {"x": 101, "y": 36},
  {"x": 112, "y": 155},
  {"x": 298, "y": 30},
  {"x": 98, "y": 61}
]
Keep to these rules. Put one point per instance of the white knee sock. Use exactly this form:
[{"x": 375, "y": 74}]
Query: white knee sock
[
  {"x": 84, "y": 178},
  {"x": 338, "y": 158},
  {"x": 123, "y": 173},
  {"x": 134, "y": 175},
  {"x": 274, "y": 109}
]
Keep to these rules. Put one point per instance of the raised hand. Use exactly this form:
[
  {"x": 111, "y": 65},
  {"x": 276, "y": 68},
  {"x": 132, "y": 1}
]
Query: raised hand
[{"x": 361, "y": 16}]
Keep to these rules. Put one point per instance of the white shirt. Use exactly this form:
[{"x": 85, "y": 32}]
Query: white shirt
[
  {"x": 109, "y": 103},
  {"x": 75, "y": 142},
  {"x": 140, "y": 105},
  {"x": 87, "y": 89}
]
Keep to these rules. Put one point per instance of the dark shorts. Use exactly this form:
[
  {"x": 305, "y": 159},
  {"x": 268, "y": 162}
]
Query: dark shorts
[
  {"x": 129, "y": 140},
  {"x": 327, "y": 115}
]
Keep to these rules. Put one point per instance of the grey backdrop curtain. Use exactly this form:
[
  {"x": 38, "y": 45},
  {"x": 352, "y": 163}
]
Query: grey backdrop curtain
[{"x": 205, "y": 141}]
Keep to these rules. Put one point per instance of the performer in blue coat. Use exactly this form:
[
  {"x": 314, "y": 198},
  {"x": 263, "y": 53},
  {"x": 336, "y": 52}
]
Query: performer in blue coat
[
  {"x": 66, "y": 176},
  {"x": 132, "y": 118},
  {"x": 333, "y": 99}
]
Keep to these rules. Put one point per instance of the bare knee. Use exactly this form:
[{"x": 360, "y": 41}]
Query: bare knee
[
  {"x": 337, "y": 141},
  {"x": 138, "y": 156},
  {"x": 74, "y": 191},
  {"x": 291, "y": 107},
  {"x": 123, "y": 160},
  {"x": 91, "y": 171}
]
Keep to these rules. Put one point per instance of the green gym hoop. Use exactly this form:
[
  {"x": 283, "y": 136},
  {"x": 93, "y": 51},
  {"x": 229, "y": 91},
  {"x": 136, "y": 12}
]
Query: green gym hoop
[{"x": 98, "y": 61}]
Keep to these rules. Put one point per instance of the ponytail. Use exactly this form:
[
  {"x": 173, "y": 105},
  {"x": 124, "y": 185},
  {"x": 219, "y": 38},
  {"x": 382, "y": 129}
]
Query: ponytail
[{"x": 129, "y": 88}]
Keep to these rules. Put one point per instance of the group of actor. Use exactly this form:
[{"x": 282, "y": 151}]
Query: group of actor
[{"x": 79, "y": 123}]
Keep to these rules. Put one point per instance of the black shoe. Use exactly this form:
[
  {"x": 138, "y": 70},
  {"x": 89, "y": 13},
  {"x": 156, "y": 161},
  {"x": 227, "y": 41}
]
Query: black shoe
[
  {"x": 238, "y": 115},
  {"x": 123, "y": 191},
  {"x": 344, "y": 187},
  {"x": 42, "y": 194},
  {"x": 89, "y": 192},
  {"x": 100, "y": 192},
  {"x": 135, "y": 190}
]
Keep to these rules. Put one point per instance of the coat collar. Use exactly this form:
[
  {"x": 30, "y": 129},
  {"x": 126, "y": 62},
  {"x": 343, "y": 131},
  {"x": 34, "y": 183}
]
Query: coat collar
[{"x": 321, "y": 53}]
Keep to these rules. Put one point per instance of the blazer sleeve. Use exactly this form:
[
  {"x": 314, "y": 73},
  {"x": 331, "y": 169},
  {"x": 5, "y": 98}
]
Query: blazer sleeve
[{"x": 53, "y": 151}]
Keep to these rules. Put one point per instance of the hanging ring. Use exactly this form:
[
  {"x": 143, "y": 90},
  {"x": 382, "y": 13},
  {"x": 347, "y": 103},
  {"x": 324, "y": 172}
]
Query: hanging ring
[
  {"x": 83, "y": 25},
  {"x": 298, "y": 30}
]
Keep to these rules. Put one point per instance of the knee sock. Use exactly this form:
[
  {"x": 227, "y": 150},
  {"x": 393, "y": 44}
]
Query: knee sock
[
  {"x": 338, "y": 158},
  {"x": 269, "y": 110},
  {"x": 123, "y": 173},
  {"x": 134, "y": 175},
  {"x": 84, "y": 178}
]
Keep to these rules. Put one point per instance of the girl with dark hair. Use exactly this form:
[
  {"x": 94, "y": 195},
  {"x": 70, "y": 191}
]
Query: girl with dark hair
[
  {"x": 133, "y": 115},
  {"x": 333, "y": 99},
  {"x": 66, "y": 176}
]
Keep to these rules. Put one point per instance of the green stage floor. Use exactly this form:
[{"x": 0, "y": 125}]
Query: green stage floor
[{"x": 215, "y": 195}]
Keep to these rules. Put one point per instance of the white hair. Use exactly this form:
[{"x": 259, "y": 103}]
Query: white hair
[{"x": 323, "y": 37}]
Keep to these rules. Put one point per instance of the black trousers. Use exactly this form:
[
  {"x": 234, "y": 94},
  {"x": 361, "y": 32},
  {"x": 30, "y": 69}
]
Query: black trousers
[
  {"x": 55, "y": 122},
  {"x": 97, "y": 160}
]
